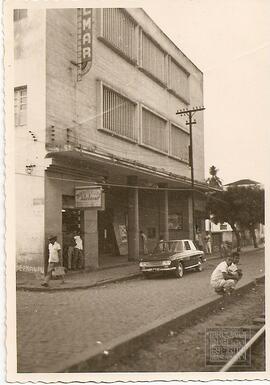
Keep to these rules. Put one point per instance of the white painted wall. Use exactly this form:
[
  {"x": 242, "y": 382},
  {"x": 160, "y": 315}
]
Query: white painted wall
[{"x": 29, "y": 70}]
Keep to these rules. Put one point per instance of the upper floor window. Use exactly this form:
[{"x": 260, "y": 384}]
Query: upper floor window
[
  {"x": 19, "y": 14},
  {"x": 119, "y": 114},
  {"x": 20, "y": 105},
  {"x": 120, "y": 30},
  {"x": 154, "y": 131},
  {"x": 179, "y": 80},
  {"x": 179, "y": 143},
  {"x": 153, "y": 58}
]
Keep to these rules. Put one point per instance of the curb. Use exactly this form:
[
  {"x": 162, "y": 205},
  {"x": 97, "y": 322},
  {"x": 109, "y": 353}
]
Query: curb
[
  {"x": 95, "y": 360},
  {"x": 87, "y": 286}
]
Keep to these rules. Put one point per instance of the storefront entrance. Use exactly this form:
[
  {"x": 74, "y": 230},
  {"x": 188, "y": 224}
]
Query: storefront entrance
[
  {"x": 107, "y": 245},
  {"x": 72, "y": 224}
]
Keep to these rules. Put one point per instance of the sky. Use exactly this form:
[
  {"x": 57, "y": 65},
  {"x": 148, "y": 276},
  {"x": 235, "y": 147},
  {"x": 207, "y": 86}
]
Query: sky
[{"x": 228, "y": 40}]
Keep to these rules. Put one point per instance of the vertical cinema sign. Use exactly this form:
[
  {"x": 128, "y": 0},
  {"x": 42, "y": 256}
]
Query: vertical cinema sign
[{"x": 84, "y": 41}]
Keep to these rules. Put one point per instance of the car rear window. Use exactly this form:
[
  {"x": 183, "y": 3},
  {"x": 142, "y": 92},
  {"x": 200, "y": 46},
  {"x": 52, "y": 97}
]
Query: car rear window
[{"x": 187, "y": 245}]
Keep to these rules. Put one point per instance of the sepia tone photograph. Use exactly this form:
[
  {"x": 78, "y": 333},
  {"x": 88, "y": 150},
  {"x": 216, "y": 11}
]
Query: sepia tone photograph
[{"x": 135, "y": 189}]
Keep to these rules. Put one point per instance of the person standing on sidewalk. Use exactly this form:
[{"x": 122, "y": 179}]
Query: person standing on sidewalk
[
  {"x": 221, "y": 279},
  {"x": 78, "y": 251},
  {"x": 199, "y": 241},
  {"x": 224, "y": 250},
  {"x": 143, "y": 242},
  {"x": 54, "y": 259},
  {"x": 208, "y": 243},
  {"x": 70, "y": 251}
]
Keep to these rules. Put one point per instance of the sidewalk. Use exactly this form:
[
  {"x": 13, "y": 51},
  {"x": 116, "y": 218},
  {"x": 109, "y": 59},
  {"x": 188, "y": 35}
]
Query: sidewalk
[{"x": 100, "y": 277}]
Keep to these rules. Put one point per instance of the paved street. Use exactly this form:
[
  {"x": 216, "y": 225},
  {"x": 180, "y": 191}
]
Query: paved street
[{"x": 57, "y": 326}]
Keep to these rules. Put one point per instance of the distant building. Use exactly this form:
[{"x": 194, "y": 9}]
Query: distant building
[
  {"x": 99, "y": 147},
  {"x": 243, "y": 183},
  {"x": 220, "y": 232}
]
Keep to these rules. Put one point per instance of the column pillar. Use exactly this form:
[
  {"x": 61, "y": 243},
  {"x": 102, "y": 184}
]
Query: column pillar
[
  {"x": 190, "y": 217},
  {"x": 163, "y": 212},
  {"x": 133, "y": 219},
  {"x": 90, "y": 227}
]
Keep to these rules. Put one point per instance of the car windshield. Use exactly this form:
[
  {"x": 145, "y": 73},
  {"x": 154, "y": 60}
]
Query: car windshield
[{"x": 171, "y": 246}]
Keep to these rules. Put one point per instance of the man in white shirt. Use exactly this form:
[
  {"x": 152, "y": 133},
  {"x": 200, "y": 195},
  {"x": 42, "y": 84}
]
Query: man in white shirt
[
  {"x": 78, "y": 252},
  {"x": 54, "y": 259},
  {"x": 221, "y": 279},
  {"x": 234, "y": 268}
]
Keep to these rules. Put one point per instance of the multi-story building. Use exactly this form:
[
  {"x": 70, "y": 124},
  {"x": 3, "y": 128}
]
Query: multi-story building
[{"x": 99, "y": 147}]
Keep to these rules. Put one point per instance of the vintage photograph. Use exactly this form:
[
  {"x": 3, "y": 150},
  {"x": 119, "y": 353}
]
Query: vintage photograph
[{"x": 135, "y": 189}]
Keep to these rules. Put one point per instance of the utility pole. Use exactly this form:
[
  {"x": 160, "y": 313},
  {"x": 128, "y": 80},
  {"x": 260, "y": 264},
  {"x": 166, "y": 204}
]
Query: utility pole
[{"x": 190, "y": 113}]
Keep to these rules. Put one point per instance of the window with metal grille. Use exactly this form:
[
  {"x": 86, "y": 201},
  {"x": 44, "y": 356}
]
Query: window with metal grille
[
  {"x": 19, "y": 14},
  {"x": 153, "y": 58},
  {"x": 119, "y": 30},
  {"x": 179, "y": 80},
  {"x": 154, "y": 131},
  {"x": 20, "y": 106},
  {"x": 118, "y": 114},
  {"x": 179, "y": 143}
]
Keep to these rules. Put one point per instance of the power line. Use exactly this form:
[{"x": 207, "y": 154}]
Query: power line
[{"x": 108, "y": 184}]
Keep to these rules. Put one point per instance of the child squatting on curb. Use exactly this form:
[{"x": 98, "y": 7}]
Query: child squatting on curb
[
  {"x": 226, "y": 275},
  {"x": 54, "y": 260}
]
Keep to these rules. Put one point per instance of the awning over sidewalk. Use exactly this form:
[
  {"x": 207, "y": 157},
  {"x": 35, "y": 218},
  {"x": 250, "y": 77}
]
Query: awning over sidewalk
[{"x": 112, "y": 169}]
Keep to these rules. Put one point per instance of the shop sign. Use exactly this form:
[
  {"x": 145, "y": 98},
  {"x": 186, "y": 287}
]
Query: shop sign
[
  {"x": 86, "y": 197},
  {"x": 84, "y": 40}
]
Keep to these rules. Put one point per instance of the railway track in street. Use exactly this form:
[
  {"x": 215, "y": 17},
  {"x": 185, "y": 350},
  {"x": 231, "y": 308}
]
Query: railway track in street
[
  {"x": 253, "y": 342},
  {"x": 242, "y": 351}
]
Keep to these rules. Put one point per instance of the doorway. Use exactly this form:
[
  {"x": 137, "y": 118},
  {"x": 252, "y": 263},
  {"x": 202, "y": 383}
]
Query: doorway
[
  {"x": 107, "y": 245},
  {"x": 72, "y": 222}
]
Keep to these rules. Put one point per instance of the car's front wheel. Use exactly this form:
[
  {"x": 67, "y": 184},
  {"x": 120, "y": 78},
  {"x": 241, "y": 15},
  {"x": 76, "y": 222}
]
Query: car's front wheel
[{"x": 179, "y": 272}]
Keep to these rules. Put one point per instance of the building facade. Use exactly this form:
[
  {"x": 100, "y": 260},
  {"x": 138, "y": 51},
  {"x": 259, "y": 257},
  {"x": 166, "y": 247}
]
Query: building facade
[{"x": 99, "y": 147}]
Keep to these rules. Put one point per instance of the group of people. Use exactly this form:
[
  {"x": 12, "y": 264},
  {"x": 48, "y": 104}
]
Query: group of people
[
  {"x": 223, "y": 279},
  {"x": 204, "y": 243},
  {"x": 226, "y": 275},
  {"x": 55, "y": 261}
]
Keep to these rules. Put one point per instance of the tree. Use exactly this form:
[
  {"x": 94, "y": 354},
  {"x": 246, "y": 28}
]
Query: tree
[
  {"x": 214, "y": 180},
  {"x": 240, "y": 207},
  {"x": 252, "y": 209}
]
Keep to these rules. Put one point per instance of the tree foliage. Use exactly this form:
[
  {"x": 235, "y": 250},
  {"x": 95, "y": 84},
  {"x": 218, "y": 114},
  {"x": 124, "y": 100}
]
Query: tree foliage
[{"x": 241, "y": 207}]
